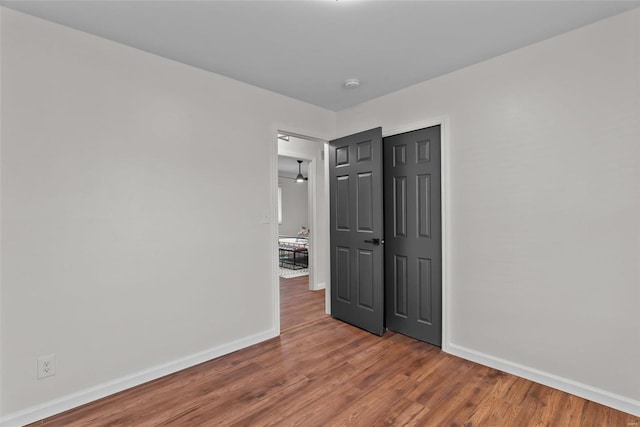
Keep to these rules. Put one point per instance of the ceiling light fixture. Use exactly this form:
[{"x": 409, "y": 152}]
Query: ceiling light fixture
[
  {"x": 299, "y": 178},
  {"x": 351, "y": 83}
]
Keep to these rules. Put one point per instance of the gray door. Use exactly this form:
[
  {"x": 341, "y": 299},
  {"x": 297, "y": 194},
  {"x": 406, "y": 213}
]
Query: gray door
[
  {"x": 357, "y": 267},
  {"x": 413, "y": 234}
]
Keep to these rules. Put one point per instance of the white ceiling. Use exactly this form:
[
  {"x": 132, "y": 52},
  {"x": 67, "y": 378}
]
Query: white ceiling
[
  {"x": 288, "y": 167},
  {"x": 306, "y": 49}
]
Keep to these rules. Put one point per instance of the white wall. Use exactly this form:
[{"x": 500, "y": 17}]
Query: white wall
[
  {"x": 123, "y": 214},
  {"x": 545, "y": 206},
  {"x": 295, "y": 206}
]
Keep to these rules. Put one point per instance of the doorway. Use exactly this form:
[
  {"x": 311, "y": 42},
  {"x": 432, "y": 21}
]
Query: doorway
[
  {"x": 294, "y": 209},
  {"x": 300, "y": 232}
]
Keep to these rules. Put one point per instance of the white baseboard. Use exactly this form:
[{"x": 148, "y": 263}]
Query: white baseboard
[
  {"x": 319, "y": 286},
  {"x": 74, "y": 400},
  {"x": 594, "y": 394}
]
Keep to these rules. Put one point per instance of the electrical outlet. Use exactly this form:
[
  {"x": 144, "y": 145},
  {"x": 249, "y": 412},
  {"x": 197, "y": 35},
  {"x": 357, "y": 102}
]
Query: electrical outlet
[{"x": 46, "y": 366}]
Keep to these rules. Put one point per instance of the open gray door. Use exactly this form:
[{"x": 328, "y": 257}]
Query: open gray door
[
  {"x": 357, "y": 256},
  {"x": 413, "y": 247}
]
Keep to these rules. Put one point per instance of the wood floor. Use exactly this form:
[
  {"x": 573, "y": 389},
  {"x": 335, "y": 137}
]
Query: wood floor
[
  {"x": 322, "y": 372},
  {"x": 298, "y": 305}
]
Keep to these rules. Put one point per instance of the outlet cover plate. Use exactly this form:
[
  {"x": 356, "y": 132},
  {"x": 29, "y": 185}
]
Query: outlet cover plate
[{"x": 46, "y": 366}]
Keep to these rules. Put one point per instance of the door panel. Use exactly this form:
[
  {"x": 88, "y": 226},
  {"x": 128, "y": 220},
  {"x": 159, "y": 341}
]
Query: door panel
[
  {"x": 366, "y": 282},
  {"x": 401, "y": 304},
  {"x": 365, "y": 202},
  {"x": 425, "y": 299},
  {"x": 343, "y": 275},
  {"x": 357, "y": 263},
  {"x": 424, "y": 205},
  {"x": 400, "y": 206},
  {"x": 413, "y": 237}
]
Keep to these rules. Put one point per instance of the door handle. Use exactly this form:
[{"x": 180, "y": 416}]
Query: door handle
[{"x": 374, "y": 241}]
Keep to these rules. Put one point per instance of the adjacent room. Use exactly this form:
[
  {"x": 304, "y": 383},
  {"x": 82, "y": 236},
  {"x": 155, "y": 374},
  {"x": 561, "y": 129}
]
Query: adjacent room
[
  {"x": 293, "y": 217},
  {"x": 204, "y": 208}
]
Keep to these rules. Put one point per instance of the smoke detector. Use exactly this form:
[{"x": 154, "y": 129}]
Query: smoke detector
[{"x": 351, "y": 83}]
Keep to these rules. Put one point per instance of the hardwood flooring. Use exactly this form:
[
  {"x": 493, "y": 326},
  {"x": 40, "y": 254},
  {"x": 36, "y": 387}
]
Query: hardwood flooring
[
  {"x": 299, "y": 305},
  {"x": 322, "y": 372}
]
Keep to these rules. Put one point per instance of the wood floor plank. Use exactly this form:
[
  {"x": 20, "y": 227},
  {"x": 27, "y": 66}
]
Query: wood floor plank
[
  {"x": 404, "y": 413},
  {"x": 322, "y": 372}
]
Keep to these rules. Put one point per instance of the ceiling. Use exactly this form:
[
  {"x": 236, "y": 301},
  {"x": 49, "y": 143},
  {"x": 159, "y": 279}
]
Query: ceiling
[
  {"x": 306, "y": 49},
  {"x": 288, "y": 167}
]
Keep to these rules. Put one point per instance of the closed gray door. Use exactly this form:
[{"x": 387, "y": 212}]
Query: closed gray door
[
  {"x": 413, "y": 234},
  {"x": 357, "y": 265}
]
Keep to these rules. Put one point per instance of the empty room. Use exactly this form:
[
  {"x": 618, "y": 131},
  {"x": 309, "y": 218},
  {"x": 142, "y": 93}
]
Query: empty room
[{"x": 319, "y": 213}]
